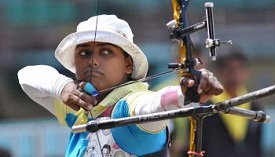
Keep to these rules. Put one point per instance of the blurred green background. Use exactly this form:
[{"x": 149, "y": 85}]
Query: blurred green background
[{"x": 30, "y": 30}]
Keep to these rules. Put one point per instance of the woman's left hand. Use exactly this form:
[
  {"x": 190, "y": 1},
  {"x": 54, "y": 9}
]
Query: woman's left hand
[{"x": 207, "y": 88}]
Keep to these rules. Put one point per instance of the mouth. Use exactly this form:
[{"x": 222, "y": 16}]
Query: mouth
[
  {"x": 96, "y": 73},
  {"x": 93, "y": 72}
]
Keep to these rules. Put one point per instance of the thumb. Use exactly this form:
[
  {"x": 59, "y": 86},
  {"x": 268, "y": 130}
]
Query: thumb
[{"x": 186, "y": 83}]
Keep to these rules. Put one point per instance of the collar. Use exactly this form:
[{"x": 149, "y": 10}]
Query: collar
[{"x": 116, "y": 95}]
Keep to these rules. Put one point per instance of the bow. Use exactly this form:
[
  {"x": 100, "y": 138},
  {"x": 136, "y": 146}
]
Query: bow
[{"x": 180, "y": 33}]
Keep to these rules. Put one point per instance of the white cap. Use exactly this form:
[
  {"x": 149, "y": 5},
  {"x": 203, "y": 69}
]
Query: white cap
[{"x": 108, "y": 29}]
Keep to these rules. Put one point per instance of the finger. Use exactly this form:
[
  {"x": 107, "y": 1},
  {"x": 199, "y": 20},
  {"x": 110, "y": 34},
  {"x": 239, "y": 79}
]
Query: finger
[
  {"x": 87, "y": 98},
  {"x": 212, "y": 88},
  {"x": 186, "y": 83},
  {"x": 83, "y": 100},
  {"x": 218, "y": 87},
  {"x": 202, "y": 84},
  {"x": 84, "y": 96},
  {"x": 219, "y": 90},
  {"x": 71, "y": 103},
  {"x": 214, "y": 91},
  {"x": 215, "y": 87},
  {"x": 81, "y": 85},
  {"x": 207, "y": 87},
  {"x": 206, "y": 81},
  {"x": 206, "y": 96},
  {"x": 73, "y": 106},
  {"x": 85, "y": 105}
]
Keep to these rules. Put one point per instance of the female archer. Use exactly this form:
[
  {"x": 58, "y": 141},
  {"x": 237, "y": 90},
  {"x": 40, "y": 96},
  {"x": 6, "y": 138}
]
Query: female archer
[{"x": 102, "y": 55}]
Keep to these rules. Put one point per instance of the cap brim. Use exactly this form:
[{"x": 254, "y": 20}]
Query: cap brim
[{"x": 66, "y": 49}]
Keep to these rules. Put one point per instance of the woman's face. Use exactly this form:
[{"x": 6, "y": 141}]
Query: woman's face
[{"x": 103, "y": 64}]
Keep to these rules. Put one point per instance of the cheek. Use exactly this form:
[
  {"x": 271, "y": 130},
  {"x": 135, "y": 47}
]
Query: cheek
[
  {"x": 116, "y": 70},
  {"x": 79, "y": 68}
]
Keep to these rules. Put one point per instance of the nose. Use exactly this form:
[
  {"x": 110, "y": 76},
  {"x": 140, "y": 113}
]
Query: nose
[{"x": 94, "y": 60}]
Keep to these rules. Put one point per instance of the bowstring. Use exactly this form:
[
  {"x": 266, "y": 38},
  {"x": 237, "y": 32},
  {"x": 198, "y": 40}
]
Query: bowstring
[{"x": 92, "y": 64}]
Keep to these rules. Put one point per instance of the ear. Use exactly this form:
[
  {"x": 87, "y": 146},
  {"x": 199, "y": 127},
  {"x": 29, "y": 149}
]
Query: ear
[{"x": 128, "y": 65}]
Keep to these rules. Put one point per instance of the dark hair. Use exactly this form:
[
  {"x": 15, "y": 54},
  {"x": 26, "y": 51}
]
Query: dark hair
[
  {"x": 229, "y": 53},
  {"x": 127, "y": 55},
  {"x": 108, "y": 147}
]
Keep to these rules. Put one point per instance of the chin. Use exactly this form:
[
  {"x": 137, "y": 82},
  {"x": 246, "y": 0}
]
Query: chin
[{"x": 96, "y": 84}]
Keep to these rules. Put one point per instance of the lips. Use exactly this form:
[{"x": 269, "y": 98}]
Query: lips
[
  {"x": 93, "y": 72},
  {"x": 96, "y": 73}
]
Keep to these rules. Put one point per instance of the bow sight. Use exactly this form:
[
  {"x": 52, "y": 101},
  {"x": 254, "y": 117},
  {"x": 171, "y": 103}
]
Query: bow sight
[{"x": 211, "y": 42}]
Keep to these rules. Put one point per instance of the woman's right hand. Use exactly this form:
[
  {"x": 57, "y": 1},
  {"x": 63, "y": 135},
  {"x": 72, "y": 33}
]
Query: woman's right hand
[{"x": 73, "y": 96}]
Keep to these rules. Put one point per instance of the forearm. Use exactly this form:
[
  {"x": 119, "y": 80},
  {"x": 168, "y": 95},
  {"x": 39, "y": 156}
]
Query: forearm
[
  {"x": 42, "y": 84},
  {"x": 169, "y": 98}
]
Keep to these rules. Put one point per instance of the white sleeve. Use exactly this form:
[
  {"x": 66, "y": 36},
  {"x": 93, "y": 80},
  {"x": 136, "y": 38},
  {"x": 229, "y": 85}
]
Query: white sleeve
[
  {"x": 169, "y": 98},
  {"x": 42, "y": 84}
]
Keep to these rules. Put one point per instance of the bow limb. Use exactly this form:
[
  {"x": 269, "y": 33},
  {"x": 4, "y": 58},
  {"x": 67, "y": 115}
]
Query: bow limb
[
  {"x": 177, "y": 16},
  {"x": 176, "y": 11}
]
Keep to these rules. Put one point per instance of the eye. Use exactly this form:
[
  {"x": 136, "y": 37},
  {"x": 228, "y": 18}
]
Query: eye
[
  {"x": 106, "y": 52},
  {"x": 83, "y": 53}
]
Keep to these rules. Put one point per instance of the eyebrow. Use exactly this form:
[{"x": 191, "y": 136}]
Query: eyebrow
[
  {"x": 82, "y": 45},
  {"x": 98, "y": 44}
]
